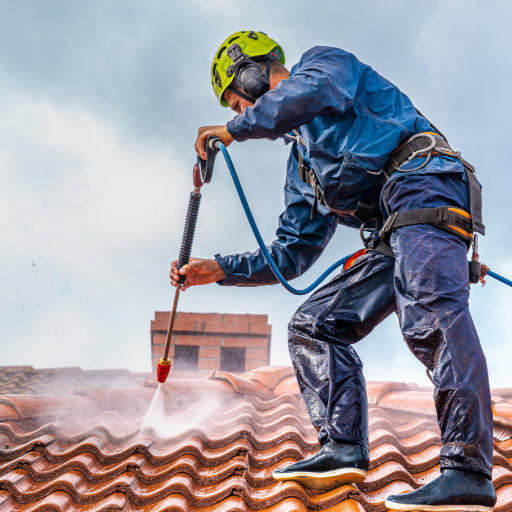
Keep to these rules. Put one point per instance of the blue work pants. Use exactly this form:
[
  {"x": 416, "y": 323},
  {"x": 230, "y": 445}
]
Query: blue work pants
[{"x": 427, "y": 284}]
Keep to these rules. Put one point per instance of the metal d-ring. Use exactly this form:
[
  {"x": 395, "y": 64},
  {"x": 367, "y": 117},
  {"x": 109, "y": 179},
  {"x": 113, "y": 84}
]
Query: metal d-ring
[
  {"x": 361, "y": 233},
  {"x": 415, "y": 154}
]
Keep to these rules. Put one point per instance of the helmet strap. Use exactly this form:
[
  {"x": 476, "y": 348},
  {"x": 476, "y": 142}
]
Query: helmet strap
[
  {"x": 267, "y": 68},
  {"x": 241, "y": 94}
]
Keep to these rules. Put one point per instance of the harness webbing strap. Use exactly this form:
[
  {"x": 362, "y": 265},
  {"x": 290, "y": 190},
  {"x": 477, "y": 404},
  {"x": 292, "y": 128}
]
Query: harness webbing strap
[
  {"x": 416, "y": 145},
  {"x": 368, "y": 208},
  {"x": 419, "y": 145},
  {"x": 475, "y": 198},
  {"x": 377, "y": 244},
  {"x": 451, "y": 219},
  {"x": 308, "y": 176}
]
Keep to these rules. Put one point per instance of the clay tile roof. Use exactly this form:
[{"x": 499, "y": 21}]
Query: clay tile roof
[
  {"x": 270, "y": 376},
  {"x": 15, "y": 380},
  {"x": 211, "y": 445},
  {"x": 243, "y": 385}
]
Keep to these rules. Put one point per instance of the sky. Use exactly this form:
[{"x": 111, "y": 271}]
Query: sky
[{"x": 100, "y": 102}]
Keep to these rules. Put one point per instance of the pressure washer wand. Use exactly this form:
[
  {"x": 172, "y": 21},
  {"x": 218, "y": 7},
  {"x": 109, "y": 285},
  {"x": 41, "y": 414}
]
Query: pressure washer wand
[{"x": 164, "y": 364}]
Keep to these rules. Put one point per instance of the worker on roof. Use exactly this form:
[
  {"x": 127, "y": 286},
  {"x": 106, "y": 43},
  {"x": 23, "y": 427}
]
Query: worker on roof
[{"x": 362, "y": 156}]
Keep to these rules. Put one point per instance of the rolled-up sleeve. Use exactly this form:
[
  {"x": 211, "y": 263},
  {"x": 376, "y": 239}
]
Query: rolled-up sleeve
[
  {"x": 324, "y": 81},
  {"x": 300, "y": 241}
]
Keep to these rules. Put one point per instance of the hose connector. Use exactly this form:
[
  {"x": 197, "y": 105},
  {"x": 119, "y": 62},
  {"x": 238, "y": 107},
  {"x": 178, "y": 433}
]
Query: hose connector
[
  {"x": 213, "y": 143},
  {"x": 475, "y": 267}
]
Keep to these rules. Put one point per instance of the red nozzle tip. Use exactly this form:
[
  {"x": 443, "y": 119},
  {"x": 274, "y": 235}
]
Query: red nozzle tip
[{"x": 162, "y": 370}]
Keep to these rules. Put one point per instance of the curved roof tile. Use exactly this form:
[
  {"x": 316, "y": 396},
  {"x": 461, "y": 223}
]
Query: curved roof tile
[{"x": 229, "y": 433}]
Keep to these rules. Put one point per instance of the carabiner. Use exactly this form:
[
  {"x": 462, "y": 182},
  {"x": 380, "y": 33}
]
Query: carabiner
[
  {"x": 361, "y": 233},
  {"x": 420, "y": 152}
]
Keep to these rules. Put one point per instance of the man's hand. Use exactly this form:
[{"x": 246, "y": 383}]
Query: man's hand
[
  {"x": 205, "y": 131},
  {"x": 198, "y": 271}
]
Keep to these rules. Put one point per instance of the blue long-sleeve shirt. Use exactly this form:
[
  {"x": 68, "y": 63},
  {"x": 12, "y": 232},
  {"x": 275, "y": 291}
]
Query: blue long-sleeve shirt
[{"x": 350, "y": 119}]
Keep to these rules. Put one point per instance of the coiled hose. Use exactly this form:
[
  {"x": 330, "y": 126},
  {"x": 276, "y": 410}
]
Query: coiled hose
[
  {"x": 261, "y": 243},
  {"x": 188, "y": 232},
  {"x": 264, "y": 250}
]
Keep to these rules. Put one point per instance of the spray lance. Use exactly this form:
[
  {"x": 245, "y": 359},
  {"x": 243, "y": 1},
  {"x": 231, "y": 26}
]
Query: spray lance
[{"x": 203, "y": 171}]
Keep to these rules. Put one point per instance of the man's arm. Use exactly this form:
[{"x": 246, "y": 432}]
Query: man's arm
[
  {"x": 300, "y": 240},
  {"x": 326, "y": 81}
]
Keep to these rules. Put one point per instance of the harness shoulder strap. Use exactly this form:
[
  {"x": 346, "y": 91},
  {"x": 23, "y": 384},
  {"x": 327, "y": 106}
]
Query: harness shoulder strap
[{"x": 307, "y": 175}]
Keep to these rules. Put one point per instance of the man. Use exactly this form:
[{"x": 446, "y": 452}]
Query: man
[{"x": 361, "y": 155}]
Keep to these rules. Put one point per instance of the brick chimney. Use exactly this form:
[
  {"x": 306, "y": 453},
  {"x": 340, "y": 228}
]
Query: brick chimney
[{"x": 205, "y": 342}]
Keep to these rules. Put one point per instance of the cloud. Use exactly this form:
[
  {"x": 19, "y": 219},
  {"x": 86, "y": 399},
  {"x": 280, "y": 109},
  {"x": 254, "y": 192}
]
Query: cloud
[
  {"x": 99, "y": 110},
  {"x": 82, "y": 211}
]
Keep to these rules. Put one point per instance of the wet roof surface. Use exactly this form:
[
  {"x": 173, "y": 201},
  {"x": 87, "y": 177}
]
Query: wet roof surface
[
  {"x": 212, "y": 445},
  {"x": 26, "y": 380}
]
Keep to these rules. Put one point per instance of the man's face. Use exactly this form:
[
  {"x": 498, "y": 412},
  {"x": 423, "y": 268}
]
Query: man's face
[{"x": 236, "y": 103}]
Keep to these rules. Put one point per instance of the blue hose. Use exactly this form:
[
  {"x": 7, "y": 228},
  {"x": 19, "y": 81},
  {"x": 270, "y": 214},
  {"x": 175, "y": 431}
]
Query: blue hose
[
  {"x": 260, "y": 241},
  {"x": 268, "y": 257},
  {"x": 501, "y": 279}
]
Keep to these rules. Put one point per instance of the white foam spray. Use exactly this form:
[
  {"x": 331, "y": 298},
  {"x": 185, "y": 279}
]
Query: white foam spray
[
  {"x": 156, "y": 408},
  {"x": 166, "y": 425}
]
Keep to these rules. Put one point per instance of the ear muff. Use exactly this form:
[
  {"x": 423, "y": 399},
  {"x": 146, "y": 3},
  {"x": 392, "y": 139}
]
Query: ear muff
[
  {"x": 252, "y": 79},
  {"x": 249, "y": 75}
]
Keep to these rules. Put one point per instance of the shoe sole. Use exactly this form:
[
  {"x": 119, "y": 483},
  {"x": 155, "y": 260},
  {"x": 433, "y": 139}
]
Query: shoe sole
[
  {"x": 391, "y": 505},
  {"x": 324, "y": 481}
]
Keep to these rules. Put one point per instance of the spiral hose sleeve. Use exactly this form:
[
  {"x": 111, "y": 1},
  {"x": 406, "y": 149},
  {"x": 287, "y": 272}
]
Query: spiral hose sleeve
[{"x": 189, "y": 231}]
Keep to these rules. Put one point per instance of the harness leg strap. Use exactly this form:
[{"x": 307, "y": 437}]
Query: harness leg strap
[{"x": 448, "y": 218}]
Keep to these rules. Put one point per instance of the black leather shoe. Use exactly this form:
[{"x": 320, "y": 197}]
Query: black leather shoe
[
  {"x": 337, "y": 463},
  {"x": 455, "y": 490}
]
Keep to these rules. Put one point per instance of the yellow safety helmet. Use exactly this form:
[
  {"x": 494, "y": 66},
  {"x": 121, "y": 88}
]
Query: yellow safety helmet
[{"x": 252, "y": 45}]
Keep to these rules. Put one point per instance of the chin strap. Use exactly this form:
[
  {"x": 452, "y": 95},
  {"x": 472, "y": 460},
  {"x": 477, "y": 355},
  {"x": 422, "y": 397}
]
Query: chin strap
[{"x": 241, "y": 94}]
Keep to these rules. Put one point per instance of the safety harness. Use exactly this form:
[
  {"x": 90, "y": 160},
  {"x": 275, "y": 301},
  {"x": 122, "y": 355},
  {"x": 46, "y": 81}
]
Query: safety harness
[
  {"x": 451, "y": 219},
  {"x": 448, "y": 218},
  {"x": 308, "y": 176},
  {"x": 477, "y": 270}
]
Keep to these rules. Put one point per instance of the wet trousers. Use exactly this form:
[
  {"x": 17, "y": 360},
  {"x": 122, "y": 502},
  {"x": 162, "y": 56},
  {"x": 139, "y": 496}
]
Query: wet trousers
[{"x": 427, "y": 284}]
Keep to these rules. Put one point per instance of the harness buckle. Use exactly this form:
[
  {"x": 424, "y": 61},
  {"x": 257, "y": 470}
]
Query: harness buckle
[
  {"x": 442, "y": 215},
  {"x": 388, "y": 226}
]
